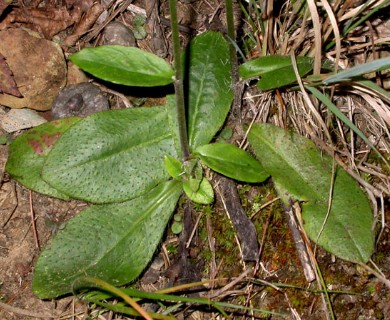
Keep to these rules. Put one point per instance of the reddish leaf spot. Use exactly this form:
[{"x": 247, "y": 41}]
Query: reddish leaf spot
[
  {"x": 37, "y": 146},
  {"x": 50, "y": 140},
  {"x": 45, "y": 142}
]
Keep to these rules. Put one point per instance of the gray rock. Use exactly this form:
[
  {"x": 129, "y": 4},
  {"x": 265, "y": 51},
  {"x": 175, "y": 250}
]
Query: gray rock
[
  {"x": 116, "y": 33},
  {"x": 82, "y": 99}
]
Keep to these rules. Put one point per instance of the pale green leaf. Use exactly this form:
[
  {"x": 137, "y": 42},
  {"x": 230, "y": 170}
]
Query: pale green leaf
[
  {"x": 28, "y": 153},
  {"x": 204, "y": 194},
  {"x": 111, "y": 242},
  {"x": 112, "y": 156},
  {"x": 173, "y": 167}
]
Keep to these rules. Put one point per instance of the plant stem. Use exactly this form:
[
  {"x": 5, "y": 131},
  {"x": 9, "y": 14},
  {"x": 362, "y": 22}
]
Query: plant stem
[
  {"x": 179, "y": 89},
  {"x": 238, "y": 88},
  {"x": 230, "y": 19},
  {"x": 232, "y": 35}
]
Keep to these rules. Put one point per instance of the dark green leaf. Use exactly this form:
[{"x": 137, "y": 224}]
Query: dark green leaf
[
  {"x": 209, "y": 86},
  {"x": 28, "y": 153},
  {"x": 110, "y": 242},
  {"x": 112, "y": 156},
  {"x": 124, "y": 65},
  {"x": 232, "y": 162},
  {"x": 274, "y": 71},
  {"x": 302, "y": 173}
]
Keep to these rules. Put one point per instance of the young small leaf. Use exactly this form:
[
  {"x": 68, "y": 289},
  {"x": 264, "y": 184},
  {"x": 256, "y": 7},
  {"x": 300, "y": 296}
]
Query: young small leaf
[
  {"x": 232, "y": 162},
  {"x": 209, "y": 85},
  {"x": 111, "y": 156},
  {"x": 302, "y": 173},
  {"x": 124, "y": 65},
  {"x": 29, "y": 151},
  {"x": 274, "y": 71},
  {"x": 204, "y": 194},
  {"x": 110, "y": 242},
  {"x": 174, "y": 167}
]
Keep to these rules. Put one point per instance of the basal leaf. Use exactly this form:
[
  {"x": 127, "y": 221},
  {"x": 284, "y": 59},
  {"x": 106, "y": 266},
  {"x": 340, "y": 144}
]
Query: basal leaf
[
  {"x": 111, "y": 242},
  {"x": 232, "y": 162},
  {"x": 28, "y": 153},
  {"x": 274, "y": 71},
  {"x": 302, "y": 173},
  {"x": 209, "y": 87},
  {"x": 124, "y": 65},
  {"x": 111, "y": 156}
]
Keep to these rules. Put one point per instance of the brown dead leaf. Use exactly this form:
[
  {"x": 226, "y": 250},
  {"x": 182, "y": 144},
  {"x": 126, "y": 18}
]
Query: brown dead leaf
[
  {"x": 7, "y": 82},
  {"x": 47, "y": 18}
]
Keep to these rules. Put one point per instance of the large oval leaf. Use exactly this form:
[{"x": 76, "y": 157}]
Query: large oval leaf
[
  {"x": 28, "y": 153},
  {"x": 110, "y": 242},
  {"x": 302, "y": 173},
  {"x": 209, "y": 87},
  {"x": 111, "y": 156},
  {"x": 274, "y": 71},
  {"x": 124, "y": 65},
  {"x": 232, "y": 162}
]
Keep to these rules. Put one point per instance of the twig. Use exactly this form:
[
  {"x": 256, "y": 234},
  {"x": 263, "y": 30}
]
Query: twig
[
  {"x": 23, "y": 312},
  {"x": 378, "y": 275},
  {"x": 13, "y": 209},
  {"x": 193, "y": 230},
  {"x": 262, "y": 242},
  {"x": 34, "y": 226},
  {"x": 121, "y": 8},
  {"x": 230, "y": 284},
  {"x": 299, "y": 244}
]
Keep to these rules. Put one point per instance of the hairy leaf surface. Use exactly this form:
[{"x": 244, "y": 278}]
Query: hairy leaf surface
[
  {"x": 209, "y": 87},
  {"x": 28, "y": 153},
  {"x": 302, "y": 173},
  {"x": 124, "y": 65},
  {"x": 111, "y": 242},
  {"x": 111, "y": 156}
]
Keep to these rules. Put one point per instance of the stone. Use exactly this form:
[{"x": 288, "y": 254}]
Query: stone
[
  {"x": 38, "y": 66},
  {"x": 82, "y": 99}
]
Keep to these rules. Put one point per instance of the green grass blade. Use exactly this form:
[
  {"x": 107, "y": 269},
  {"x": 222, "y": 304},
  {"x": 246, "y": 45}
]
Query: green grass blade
[
  {"x": 97, "y": 297},
  {"x": 348, "y": 74},
  {"x": 329, "y": 104},
  {"x": 352, "y": 26}
]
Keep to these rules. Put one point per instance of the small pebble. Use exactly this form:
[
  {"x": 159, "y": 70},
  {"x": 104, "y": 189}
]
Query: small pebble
[
  {"x": 116, "y": 33},
  {"x": 82, "y": 99}
]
